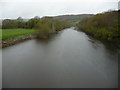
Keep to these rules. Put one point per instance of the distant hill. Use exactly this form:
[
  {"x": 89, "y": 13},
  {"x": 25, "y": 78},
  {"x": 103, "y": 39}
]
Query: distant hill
[
  {"x": 68, "y": 18},
  {"x": 73, "y": 18}
]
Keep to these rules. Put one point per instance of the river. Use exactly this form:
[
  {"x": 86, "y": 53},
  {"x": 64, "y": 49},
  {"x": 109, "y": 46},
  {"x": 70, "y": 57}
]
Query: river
[{"x": 69, "y": 59}]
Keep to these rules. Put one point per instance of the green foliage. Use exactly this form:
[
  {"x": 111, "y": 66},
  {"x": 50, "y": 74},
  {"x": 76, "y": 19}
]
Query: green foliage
[
  {"x": 31, "y": 23},
  {"x": 104, "y": 26},
  {"x": 48, "y": 25},
  {"x": 7, "y": 23},
  {"x": 59, "y": 25},
  {"x": 20, "y": 23}
]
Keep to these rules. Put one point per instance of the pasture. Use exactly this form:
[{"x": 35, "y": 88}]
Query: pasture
[{"x": 14, "y": 33}]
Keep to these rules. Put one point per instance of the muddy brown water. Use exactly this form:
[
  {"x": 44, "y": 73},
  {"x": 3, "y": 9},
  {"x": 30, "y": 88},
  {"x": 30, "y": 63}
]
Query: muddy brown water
[{"x": 69, "y": 59}]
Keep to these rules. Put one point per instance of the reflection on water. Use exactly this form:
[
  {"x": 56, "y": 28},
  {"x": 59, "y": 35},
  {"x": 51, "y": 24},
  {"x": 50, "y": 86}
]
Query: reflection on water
[
  {"x": 110, "y": 47},
  {"x": 50, "y": 39},
  {"x": 69, "y": 59}
]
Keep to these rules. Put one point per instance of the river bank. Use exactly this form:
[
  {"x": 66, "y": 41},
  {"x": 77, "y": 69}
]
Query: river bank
[
  {"x": 14, "y": 41},
  {"x": 10, "y": 42},
  {"x": 115, "y": 41}
]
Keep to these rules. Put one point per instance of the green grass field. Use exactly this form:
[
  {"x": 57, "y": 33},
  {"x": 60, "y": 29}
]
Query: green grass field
[{"x": 14, "y": 33}]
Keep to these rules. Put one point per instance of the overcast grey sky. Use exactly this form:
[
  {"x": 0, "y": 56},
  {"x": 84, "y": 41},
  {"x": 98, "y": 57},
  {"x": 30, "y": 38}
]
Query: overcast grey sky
[{"x": 31, "y": 8}]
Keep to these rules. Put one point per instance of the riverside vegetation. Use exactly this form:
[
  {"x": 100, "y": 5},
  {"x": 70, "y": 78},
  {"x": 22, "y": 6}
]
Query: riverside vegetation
[
  {"x": 104, "y": 26},
  {"x": 14, "y": 31}
]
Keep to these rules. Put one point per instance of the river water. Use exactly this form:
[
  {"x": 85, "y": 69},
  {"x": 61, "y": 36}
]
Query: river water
[{"x": 69, "y": 59}]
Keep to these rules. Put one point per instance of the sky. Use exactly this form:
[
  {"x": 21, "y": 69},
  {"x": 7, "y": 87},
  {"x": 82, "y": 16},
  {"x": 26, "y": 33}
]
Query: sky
[{"x": 30, "y": 8}]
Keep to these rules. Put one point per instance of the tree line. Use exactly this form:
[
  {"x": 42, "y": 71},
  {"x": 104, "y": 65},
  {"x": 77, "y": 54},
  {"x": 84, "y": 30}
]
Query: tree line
[
  {"x": 44, "y": 26},
  {"x": 33, "y": 23},
  {"x": 49, "y": 25},
  {"x": 19, "y": 23}
]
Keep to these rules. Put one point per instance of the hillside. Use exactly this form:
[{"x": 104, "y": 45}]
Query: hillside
[
  {"x": 73, "y": 18},
  {"x": 104, "y": 26}
]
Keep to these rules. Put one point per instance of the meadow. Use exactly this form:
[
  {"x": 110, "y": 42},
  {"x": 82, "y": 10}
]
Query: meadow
[{"x": 14, "y": 33}]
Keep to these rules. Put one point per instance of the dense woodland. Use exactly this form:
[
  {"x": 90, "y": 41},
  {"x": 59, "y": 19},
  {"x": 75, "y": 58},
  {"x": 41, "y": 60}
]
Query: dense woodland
[{"x": 104, "y": 25}]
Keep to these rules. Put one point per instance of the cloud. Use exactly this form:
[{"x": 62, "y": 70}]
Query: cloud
[
  {"x": 60, "y": 0},
  {"x": 25, "y": 9}
]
